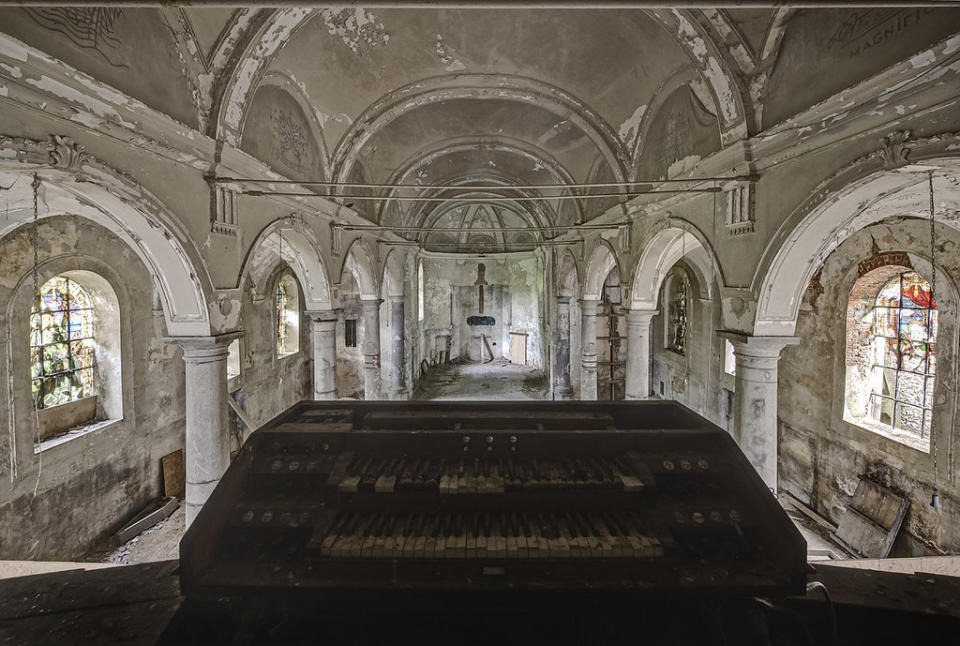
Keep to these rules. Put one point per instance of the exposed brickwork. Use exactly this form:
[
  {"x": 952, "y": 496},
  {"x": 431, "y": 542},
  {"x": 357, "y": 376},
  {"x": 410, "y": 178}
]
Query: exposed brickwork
[{"x": 884, "y": 259}]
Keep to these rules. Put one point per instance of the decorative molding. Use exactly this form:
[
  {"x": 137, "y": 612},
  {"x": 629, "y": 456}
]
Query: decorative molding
[
  {"x": 895, "y": 150},
  {"x": 224, "y": 210},
  {"x": 59, "y": 152},
  {"x": 65, "y": 154},
  {"x": 739, "y": 207}
]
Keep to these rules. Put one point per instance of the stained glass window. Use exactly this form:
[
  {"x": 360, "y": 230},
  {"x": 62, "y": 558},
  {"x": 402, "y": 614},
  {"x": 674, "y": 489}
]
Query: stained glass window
[
  {"x": 678, "y": 315},
  {"x": 904, "y": 354},
  {"x": 287, "y": 319},
  {"x": 61, "y": 344}
]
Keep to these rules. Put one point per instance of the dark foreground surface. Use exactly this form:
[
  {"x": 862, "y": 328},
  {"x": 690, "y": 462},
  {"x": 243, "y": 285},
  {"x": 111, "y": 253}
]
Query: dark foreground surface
[{"x": 141, "y": 604}]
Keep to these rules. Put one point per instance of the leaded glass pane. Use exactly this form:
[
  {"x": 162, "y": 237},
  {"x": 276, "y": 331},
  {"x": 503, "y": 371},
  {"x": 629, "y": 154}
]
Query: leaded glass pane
[
  {"x": 910, "y": 388},
  {"x": 886, "y": 321},
  {"x": 909, "y": 418},
  {"x": 913, "y": 356},
  {"x": 905, "y": 330},
  {"x": 62, "y": 351}
]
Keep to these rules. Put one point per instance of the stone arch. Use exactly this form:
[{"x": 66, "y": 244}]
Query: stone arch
[
  {"x": 499, "y": 143},
  {"x": 282, "y": 80},
  {"x": 137, "y": 218},
  {"x": 713, "y": 67},
  {"x": 392, "y": 281},
  {"x": 568, "y": 274},
  {"x": 360, "y": 263},
  {"x": 241, "y": 81},
  {"x": 806, "y": 239},
  {"x": 479, "y": 87},
  {"x": 677, "y": 240},
  {"x": 289, "y": 240},
  {"x": 602, "y": 261}
]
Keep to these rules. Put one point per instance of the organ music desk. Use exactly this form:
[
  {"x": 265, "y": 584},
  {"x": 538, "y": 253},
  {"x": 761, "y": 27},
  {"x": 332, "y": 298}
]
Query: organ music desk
[{"x": 488, "y": 504}]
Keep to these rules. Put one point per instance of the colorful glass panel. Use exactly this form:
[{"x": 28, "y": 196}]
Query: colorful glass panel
[
  {"x": 62, "y": 353},
  {"x": 905, "y": 319},
  {"x": 281, "y": 325},
  {"x": 678, "y": 316}
]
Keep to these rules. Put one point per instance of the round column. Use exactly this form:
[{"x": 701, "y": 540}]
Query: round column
[
  {"x": 637, "y": 385},
  {"x": 755, "y": 401},
  {"x": 323, "y": 331},
  {"x": 398, "y": 349},
  {"x": 206, "y": 451},
  {"x": 588, "y": 373},
  {"x": 563, "y": 389},
  {"x": 371, "y": 348}
]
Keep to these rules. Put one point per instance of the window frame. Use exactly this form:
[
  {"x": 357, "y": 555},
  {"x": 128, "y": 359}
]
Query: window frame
[
  {"x": 930, "y": 327},
  {"x": 38, "y": 310}
]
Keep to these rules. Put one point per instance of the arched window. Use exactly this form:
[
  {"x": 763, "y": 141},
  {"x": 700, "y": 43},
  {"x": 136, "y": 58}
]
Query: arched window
[
  {"x": 420, "y": 291},
  {"x": 287, "y": 316},
  {"x": 891, "y": 355},
  {"x": 677, "y": 302},
  {"x": 62, "y": 345},
  {"x": 904, "y": 344}
]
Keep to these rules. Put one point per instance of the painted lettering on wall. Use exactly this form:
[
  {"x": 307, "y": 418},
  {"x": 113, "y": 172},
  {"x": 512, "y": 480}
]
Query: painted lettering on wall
[
  {"x": 864, "y": 30},
  {"x": 91, "y": 28}
]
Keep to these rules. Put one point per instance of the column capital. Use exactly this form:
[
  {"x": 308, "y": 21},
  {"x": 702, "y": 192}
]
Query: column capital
[
  {"x": 322, "y": 316},
  {"x": 370, "y": 303},
  {"x": 563, "y": 300},
  {"x": 640, "y": 316},
  {"x": 200, "y": 349},
  {"x": 589, "y": 306},
  {"x": 767, "y": 347}
]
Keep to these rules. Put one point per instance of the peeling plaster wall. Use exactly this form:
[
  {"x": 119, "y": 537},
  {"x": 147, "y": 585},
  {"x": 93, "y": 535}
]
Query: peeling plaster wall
[
  {"x": 350, "y": 360},
  {"x": 88, "y": 486},
  {"x": 695, "y": 379},
  {"x": 827, "y": 50},
  {"x": 269, "y": 384},
  {"x": 520, "y": 306},
  {"x": 679, "y": 135},
  {"x": 277, "y": 132},
  {"x": 111, "y": 47},
  {"x": 821, "y": 455}
]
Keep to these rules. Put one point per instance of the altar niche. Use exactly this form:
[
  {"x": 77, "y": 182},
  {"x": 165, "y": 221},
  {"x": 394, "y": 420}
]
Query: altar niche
[{"x": 478, "y": 335}]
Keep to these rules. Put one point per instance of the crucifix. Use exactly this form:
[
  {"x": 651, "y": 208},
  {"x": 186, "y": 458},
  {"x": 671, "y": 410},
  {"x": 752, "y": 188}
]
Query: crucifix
[{"x": 480, "y": 282}]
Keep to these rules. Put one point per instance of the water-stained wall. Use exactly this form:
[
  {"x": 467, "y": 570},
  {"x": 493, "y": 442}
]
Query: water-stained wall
[
  {"x": 822, "y": 456},
  {"x": 59, "y": 501}
]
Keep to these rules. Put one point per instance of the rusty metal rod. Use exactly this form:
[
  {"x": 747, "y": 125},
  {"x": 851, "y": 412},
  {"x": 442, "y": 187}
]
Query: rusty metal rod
[
  {"x": 494, "y": 4},
  {"x": 477, "y": 200},
  {"x": 415, "y": 229},
  {"x": 499, "y": 187}
]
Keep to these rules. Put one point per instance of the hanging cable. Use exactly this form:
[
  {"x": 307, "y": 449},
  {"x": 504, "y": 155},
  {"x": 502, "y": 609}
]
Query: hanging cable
[
  {"x": 36, "y": 300},
  {"x": 935, "y": 499}
]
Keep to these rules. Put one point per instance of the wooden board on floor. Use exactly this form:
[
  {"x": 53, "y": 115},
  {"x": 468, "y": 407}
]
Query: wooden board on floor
[
  {"x": 872, "y": 521},
  {"x": 518, "y": 347},
  {"x": 174, "y": 477}
]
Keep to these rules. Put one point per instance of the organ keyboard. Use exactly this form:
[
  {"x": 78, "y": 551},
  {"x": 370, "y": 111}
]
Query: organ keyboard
[{"x": 639, "y": 497}]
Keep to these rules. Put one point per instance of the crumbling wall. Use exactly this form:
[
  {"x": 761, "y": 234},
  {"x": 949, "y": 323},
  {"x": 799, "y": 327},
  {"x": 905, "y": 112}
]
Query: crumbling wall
[
  {"x": 520, "y": 308},
  {"x": 696, "y": 378},
  {"x": 55, "y": 504},
  {"x": 825, "y": 51},
  {"x": 269, "y": 384},
  {"x": 821, "y": 456},
  {"x": 129, "y": 49}
]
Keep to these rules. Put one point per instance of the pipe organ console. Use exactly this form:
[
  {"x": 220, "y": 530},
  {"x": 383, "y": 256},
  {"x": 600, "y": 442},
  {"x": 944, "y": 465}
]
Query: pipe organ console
[{"x": 640, "y": 498}]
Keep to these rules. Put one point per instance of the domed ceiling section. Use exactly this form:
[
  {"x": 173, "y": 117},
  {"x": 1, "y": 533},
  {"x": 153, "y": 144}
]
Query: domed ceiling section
[
  {"x": 611, "y": 60},
  {"x": 432, "y": 97}
]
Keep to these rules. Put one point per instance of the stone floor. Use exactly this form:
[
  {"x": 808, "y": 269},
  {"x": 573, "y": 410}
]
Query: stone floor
[
  {"x": 496, "y": 380},
  {"x": 158, "y": 543}
]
